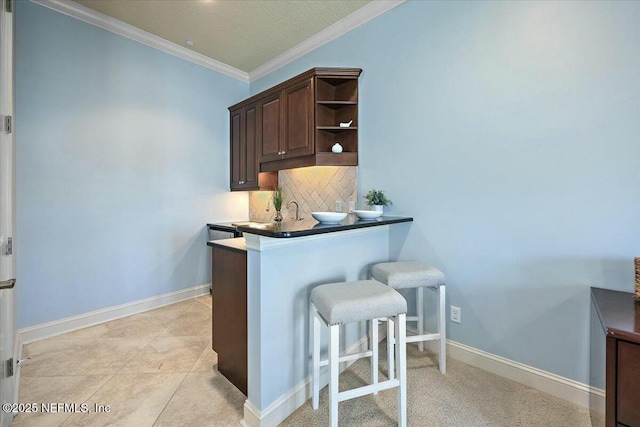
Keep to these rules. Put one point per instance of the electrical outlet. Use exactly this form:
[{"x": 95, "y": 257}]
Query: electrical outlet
[
  {"x": 338, "y": 205},
  {"x": 456, "y": 314}
]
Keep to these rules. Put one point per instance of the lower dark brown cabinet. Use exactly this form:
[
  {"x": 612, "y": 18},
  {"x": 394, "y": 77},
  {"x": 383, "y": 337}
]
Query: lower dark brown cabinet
[
  {"x": 229, "y": 316},
  {"x": 618, "y": 319},
  {"x": 628, "y": 387}
]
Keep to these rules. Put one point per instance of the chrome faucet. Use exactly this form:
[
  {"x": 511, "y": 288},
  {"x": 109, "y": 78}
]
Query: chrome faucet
[{"x": 297, "y": 209}]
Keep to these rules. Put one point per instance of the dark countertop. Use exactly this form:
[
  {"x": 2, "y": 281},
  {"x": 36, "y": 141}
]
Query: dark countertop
[
  {"x": 224, "y": 226},
  {"x": 309, "y": 227},
  {"x": 237, "y": 244},
  {"x": 619, "y": 313}
]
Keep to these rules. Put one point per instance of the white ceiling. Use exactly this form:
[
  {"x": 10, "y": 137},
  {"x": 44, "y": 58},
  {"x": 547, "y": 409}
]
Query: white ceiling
[{"x": 243, "y": 34}]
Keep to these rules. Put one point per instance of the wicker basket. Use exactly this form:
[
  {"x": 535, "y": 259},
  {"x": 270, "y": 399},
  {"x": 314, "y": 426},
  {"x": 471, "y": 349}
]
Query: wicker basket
[{"x": 637, "y": 293}]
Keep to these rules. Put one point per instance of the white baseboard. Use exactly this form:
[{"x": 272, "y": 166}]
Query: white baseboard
[
  {"x": 279, "y": 410},
  {"x": 68, "y": 324},
  {"x": 555, "y": 385},
  {"x": 251, "y": 415}
]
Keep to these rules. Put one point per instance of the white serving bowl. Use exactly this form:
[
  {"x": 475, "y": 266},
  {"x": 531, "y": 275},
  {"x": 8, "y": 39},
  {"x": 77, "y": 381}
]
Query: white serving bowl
[
  {"x": 329, "y": 217},
  {"x": 368, "y": 214}
]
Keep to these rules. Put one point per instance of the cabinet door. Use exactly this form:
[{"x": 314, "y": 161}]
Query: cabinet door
[
  {"x": 250, "y": 179},
  {"x": 229, "y": 314},
  {"x": 628, "y": 376},
  {"x": 269, "y": 128},
  {"x": 299, "y": 123},
  {"x": 237, "y": 171},
  {"x": 244, "y": 162}
]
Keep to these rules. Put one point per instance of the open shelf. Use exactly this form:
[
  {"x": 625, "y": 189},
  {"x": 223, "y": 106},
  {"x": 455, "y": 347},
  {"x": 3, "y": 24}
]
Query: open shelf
[
  {"x": 336, "y": 104},
  {"x": 332, "y": 115},
  {"x": 336, "y": 89},
  {"x": 336, "y": 128},
  {"x": 326, "y": 139}
]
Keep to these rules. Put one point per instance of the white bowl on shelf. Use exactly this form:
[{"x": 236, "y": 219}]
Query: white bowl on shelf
[
  {"x": 329, "y": 217},
  {"x": 368, "y": 214}
]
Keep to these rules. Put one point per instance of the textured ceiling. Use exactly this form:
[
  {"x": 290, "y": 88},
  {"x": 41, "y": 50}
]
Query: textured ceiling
[{"x": 241, "y": 33}]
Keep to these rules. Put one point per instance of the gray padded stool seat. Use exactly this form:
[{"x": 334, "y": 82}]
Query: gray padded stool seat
[
  {"x": 335, "y": 304},
  {"x": 412, "y": 274},
  {"x": 348, "y": 302},
  {"x": 407, "y": 274}
]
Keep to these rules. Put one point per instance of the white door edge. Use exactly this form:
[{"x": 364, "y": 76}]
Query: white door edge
[{"x": 8, "y": 387}]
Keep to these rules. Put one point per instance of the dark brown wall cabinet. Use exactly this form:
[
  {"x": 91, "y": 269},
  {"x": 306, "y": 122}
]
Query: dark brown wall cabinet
[
  {"x": 295, "y": 124},
  {"x": 270, "y": 124},
  {"x": 244, "y": 160}
]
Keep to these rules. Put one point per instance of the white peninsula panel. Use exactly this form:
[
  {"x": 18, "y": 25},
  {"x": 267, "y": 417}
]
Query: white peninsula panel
[{"x": 281, "y": 274}]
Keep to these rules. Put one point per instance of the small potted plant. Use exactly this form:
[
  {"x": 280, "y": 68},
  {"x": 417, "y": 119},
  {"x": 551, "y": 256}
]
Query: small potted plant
[
  {"x": 277, "y": 197},
  {"x": 377, "y": 199}
]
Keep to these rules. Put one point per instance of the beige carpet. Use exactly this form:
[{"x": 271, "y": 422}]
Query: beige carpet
[{"x": 465, "y": 396}]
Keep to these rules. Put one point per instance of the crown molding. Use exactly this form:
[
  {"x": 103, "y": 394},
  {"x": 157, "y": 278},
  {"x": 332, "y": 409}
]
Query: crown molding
[
  {"x": 116, "y": 26},
  {"x": 350, "y": 22},
  {"x": 366, "y": 13}
]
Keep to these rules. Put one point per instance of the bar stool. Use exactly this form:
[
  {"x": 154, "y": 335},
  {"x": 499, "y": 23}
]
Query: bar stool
[
  {"x": 410, "y": 274},
  {"x": 335, "y": 304}
]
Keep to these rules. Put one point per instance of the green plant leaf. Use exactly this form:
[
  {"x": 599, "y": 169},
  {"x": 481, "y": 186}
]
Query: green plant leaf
[
  {"x": 277, "y": 197},
  {"x": 377, "y": 197}
]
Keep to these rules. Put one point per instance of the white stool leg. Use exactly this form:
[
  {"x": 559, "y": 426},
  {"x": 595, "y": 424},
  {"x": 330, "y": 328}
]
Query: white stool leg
[
  {"x": 401, "y": 357},
  {"x": 374, "y": 352},
  {"x": 390, "y": 342},
  {"x": 315, "y": 356},
  {"x": 420, "y": 309},
  {"x": 442, "y": 329},
  {"x": 334, "y": 362}
]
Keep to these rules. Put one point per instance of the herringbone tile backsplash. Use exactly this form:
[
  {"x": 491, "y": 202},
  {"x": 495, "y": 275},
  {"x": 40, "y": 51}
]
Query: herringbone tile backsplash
[{"x": 314, "y": 188}]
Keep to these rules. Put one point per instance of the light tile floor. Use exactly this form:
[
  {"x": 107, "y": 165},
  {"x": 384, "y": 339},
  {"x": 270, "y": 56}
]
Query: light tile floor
[{"x": 152, "y": 369}]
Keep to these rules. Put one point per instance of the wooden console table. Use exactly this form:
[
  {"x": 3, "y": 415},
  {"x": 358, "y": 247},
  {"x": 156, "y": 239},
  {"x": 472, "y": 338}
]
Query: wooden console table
[{"x": 619, "y": 316}]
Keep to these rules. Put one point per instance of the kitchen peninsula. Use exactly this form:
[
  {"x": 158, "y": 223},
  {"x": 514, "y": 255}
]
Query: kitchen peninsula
[
  {"x": 283, "y": 263},
  {"x": 285, "y": 137}
]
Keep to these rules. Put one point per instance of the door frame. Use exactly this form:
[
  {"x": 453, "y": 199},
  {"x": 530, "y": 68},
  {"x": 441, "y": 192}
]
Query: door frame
[{"x": 8, "y": 385}]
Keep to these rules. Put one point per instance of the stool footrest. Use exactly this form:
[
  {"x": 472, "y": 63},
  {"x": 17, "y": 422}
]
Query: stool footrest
[
  {"x": 425, "y": 337},
  {"x": 409, "y": 319},
  {"x": 367, "y": 389},
  {"x": 416, "y": 338},
  {"x": 347, "y": 357}
]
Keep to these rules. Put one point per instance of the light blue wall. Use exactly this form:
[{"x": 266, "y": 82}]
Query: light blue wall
[
  {"x": 121, "y": 159},
  {"x": 510, "y": 131}
]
